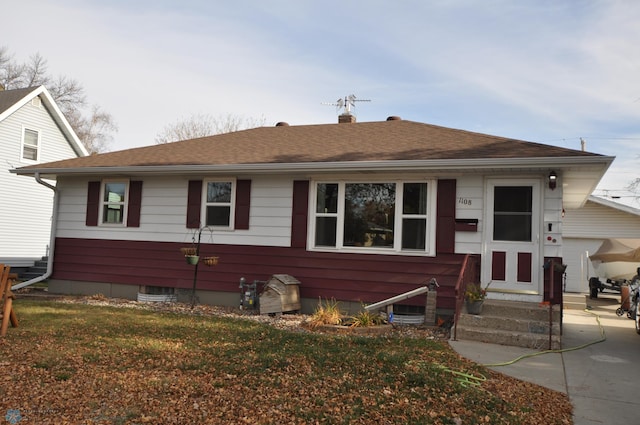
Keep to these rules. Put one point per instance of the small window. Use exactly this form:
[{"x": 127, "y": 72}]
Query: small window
[
  {"x": 218, "y": 206},
  {"x": 114, "y": 197},
  {"x": 30, "y": 143},
  {"x": 414, "y": 216},
  {"x": 326, "y": 214}
]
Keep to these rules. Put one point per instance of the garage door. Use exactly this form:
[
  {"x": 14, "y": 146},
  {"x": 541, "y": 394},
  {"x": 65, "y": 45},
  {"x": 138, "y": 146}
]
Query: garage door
[{"x": 575, "y": 256}]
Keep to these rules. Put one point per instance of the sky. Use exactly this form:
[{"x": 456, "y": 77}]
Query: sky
[{"x": 547, "y": 71}]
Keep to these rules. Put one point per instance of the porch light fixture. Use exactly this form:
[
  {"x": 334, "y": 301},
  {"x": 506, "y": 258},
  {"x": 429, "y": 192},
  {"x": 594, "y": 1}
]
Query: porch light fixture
[{"x": 553, "y": 180}]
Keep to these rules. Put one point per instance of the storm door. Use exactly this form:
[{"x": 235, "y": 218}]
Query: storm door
[{"x": 511, "y": 260}]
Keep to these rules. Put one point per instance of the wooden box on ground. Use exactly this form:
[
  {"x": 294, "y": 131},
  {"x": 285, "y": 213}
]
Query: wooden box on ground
[{"x": 280, "y": 294}]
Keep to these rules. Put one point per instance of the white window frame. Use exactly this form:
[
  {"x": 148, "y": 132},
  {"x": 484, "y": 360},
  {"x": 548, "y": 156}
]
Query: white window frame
[
  {"x": 430, "y": 217},
  {"x": 38, "y": 145},
  {"x": 231, "y": 204},
  {"x": 103, "y": 203}
]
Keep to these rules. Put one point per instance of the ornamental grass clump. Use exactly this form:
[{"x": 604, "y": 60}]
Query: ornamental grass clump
[
  {"x": 366, "y": 318},
  {"x": 327, "y": 313}
]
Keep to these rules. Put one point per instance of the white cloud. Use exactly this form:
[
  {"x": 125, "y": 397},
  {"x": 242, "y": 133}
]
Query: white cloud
[{"x": 541, "y": 71}]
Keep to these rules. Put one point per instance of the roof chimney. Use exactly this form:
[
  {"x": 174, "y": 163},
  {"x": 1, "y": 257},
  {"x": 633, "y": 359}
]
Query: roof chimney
[
  {"x": 346, "y": 119},
  {"x": 394, "y": 118}
]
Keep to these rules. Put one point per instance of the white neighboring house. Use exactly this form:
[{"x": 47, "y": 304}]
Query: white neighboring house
[
  {"x": 583, "y": 231},
  {"x": 33, "y": 130}
]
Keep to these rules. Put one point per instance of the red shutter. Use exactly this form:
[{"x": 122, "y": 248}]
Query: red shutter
[
  {"x": 135, "y": 203},
  {"x": 299, "y": 214},
  {"x": 93, "y": 203},
  {"x": 194, "y": 204},
  {"x": 243, "y": 204},
  {"x": 446, "y": 217}
]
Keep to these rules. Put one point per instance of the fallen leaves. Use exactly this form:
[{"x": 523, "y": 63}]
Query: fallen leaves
[{"x": 72, "y": 362}]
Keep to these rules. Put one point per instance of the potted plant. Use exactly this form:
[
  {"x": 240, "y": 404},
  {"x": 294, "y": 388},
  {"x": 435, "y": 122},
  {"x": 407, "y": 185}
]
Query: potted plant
[{"x": 474, "y": 297}]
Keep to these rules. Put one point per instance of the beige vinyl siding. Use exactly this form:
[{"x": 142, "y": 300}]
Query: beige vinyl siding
[
  {"x": 595, "y": 220},
  {"x": 163, "y": 213},
  {"x": 470, "y": 204}
]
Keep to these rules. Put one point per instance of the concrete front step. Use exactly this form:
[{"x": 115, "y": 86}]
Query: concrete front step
[
  {"x": 512, "y": 338},
  {"x": 31, "y": 275},
  {"x": 512, "y": 323},
  {"x": 38, "y": 269},
  {"x": 518, "y": 309},
  {"x": 522, "y": 324}
]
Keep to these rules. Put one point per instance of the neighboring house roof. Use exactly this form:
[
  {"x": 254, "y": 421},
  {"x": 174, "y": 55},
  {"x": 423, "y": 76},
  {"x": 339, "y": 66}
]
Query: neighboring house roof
[
  {"x": 9, "y": 98},
  {"x": 12, "y": 100},
  {"x": 615, "y": 205},
  {"x": 392, "y": 145}
]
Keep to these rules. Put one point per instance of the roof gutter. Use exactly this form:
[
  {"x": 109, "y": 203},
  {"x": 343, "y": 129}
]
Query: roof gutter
[
  {"x": 396, "y": 165},
  {"x": 52, "y": 239}
]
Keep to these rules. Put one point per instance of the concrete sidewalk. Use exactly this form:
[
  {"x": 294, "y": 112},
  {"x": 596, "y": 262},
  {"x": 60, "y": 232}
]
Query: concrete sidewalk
[{"x": 600, "y": 378}]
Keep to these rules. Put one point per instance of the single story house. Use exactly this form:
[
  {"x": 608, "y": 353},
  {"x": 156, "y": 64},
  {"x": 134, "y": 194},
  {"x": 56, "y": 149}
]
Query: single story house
[
  {"x": 585, "y": 229},
  {"x": 33, "y": 131},
  {"x": 358, "y": 212}
]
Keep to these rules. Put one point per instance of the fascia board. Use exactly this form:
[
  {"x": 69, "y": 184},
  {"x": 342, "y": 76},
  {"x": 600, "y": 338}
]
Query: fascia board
[{"x": 421, "y": 165}]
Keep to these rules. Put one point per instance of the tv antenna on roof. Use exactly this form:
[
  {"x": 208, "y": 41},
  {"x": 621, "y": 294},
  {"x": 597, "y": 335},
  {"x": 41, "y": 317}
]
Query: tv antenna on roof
[{"x": 347, "y": 103}]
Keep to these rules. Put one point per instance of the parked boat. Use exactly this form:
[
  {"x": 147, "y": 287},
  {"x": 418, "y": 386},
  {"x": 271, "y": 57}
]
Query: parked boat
[{"x": 615, "y": 263}]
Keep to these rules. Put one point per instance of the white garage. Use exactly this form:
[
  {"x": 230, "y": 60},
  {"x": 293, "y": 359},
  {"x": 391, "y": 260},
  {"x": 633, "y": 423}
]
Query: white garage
[{"x": 583, "y": 231}]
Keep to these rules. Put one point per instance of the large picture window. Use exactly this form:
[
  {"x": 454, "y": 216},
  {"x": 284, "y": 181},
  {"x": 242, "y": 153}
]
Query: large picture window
[{"x": 369, "y": 216}]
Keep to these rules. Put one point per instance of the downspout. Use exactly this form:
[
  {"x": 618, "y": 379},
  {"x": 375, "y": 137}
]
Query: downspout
[{"x": 52, "y": 239}]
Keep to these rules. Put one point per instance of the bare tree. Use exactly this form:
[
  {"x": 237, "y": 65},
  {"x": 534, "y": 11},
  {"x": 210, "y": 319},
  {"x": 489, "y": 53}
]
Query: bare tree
[
  {"x": 93, "y": 126},
  {"x": 10, "y": 72},
  {"x": 201, "y": 125}
]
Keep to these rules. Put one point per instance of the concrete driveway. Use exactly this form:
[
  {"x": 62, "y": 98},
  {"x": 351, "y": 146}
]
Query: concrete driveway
[{"x": 602, "y": 379}]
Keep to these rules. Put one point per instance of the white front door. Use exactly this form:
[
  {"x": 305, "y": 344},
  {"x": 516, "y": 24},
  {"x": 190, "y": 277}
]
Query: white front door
[{"x": 511, "y": 260}]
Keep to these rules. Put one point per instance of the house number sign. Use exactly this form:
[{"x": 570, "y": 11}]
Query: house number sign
[{"x": 464, "y": 201}]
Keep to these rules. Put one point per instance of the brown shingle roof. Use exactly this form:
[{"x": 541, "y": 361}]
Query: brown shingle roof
[{"x": 395, "y": 140}]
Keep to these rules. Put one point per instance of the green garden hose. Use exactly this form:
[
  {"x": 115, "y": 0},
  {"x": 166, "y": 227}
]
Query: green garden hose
[
  {"x": 565, "y": 350},
  {"x": 465, "y": 379}
]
